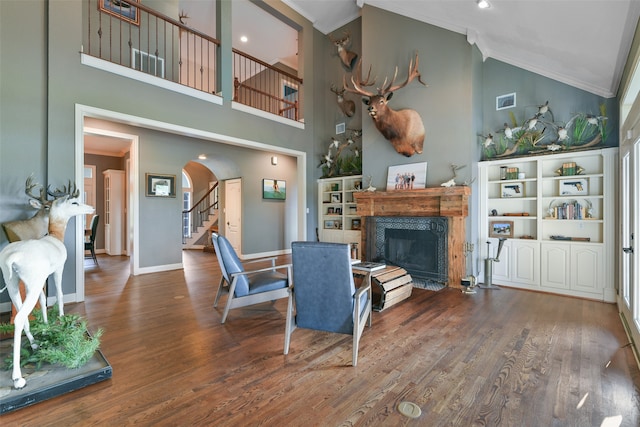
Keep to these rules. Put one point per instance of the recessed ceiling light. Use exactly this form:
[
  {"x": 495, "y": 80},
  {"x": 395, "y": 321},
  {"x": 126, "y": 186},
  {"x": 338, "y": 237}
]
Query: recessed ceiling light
[
  {"x": 202, "y": 156},
  {"x": 483, "y": 4},
  {"x": 244, "y": 39}
]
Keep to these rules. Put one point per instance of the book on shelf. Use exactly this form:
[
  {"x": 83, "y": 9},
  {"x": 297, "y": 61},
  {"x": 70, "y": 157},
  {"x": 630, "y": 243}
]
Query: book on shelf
[{"x": 368, "y": 266}]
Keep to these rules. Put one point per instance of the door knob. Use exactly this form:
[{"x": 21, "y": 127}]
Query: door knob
[{"x": 628, "y": 250}]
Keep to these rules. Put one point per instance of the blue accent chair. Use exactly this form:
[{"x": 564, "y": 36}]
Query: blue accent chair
[
  {"x": 248, "y": 287},
  {"x": 324, "y": 295}
]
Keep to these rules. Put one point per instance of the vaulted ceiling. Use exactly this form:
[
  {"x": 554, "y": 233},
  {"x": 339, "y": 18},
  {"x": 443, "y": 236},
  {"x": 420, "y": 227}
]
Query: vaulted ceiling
[{"x": 583, "y": 43}]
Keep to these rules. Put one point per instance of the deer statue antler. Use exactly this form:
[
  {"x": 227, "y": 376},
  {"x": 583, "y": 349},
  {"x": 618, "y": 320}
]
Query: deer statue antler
[
  {"x": 72, "y": 191},
  {"x": 30, "y": 185}
]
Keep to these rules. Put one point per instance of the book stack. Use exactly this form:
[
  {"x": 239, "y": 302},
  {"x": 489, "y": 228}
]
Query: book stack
[
  {"x": 368, "y": 266},
  {"x": 572, "y": 210},
  {"x": 569, "y": 168}
]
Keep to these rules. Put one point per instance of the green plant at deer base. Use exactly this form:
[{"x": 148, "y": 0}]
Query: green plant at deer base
[{"x": 64, "y": 340}]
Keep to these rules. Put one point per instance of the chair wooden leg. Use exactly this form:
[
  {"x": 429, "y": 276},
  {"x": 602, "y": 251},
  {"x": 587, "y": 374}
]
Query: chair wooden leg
[
  {"x": 356, "y": 342},
  {"x": 290, "y": 326},
  {"x": 219, "y": 293},
  {"x": 227, "y": 307}
]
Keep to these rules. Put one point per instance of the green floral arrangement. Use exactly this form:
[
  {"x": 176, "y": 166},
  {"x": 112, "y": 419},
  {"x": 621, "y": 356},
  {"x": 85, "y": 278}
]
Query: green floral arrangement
[
  {"x": 344, "y": 156},
  {"x": 64, "y": 340}
]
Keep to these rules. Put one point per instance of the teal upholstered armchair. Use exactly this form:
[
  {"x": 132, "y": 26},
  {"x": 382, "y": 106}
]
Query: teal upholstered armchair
[
  {"x": 248, "y": 287},
  {"x": 324, "y": 295}
]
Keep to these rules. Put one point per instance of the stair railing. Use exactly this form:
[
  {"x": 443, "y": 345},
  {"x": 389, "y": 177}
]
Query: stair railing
[{"x": 200, "y": 211}]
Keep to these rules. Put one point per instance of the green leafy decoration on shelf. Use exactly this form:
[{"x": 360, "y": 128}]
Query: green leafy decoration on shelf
[
  {"x": 540, "y": 133},
  {"x": 64, "y": 340}
]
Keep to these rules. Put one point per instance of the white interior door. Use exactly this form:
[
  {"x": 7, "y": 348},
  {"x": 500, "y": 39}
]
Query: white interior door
[
  {"x": 629, "y": 295},
  {"x": 233, "y": 213}
]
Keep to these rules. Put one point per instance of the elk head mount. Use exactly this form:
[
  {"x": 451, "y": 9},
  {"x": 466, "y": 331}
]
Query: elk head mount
[
  {"x": 403, "y": 128},
  {"x": 347, "y": 57},
  {"x": 347, "y": 106}
]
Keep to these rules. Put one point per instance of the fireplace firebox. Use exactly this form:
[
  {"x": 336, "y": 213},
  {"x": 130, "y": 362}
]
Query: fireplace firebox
[{"x": 417, "y": 244}]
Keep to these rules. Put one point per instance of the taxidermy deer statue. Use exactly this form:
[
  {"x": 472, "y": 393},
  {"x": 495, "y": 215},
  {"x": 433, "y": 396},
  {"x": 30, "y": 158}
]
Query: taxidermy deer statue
[
  {"x": 347, "y": 106},
  {"x": 32, "y": 261},
  {"x": 38, "y": 225},
  {"x": 403, "y": 128},
  {"x": 347, "y": 57}
]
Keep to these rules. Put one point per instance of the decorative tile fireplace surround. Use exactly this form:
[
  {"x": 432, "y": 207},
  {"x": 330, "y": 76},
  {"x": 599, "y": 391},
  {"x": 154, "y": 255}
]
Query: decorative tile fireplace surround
[{"x": 425, "y": 213}]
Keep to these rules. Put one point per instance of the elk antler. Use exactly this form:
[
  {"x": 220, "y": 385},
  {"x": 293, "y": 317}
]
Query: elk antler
[
  {"x": 358, "y": 87},
  {"x": 413, "y": 73}
]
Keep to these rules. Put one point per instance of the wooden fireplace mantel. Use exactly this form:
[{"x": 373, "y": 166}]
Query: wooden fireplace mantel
[{"x": 449, "y": 202}]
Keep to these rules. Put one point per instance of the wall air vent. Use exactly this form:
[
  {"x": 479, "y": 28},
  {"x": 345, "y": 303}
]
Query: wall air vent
[{"x": 147, "y": 63}]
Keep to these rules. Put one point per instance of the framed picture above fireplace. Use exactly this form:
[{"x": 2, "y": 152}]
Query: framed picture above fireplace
[
  {"x": 500, "y": 229},
  {"x": 407, "y": 177}
]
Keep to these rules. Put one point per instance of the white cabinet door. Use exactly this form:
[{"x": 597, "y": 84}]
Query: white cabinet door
[
  {"x": 526, "y": 262},
  {"x": 501, "y": 269},
  {"x": 586, "y": 268},
  {"x": 555, "y": 258}
]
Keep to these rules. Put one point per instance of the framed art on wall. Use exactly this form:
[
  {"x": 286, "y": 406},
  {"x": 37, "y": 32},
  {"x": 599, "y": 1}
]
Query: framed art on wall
[
  {"x": 274, "y": 189},
  {"x": 506, "y": 101},
  {"x": 159, "y": 185},
  {"x": 122, "y": 9}
]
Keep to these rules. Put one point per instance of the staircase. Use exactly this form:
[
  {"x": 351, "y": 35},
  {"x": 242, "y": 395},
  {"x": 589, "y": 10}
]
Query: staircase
[
  {"x": 201, "y": 236},
  {"x": 203, "y": 218}
]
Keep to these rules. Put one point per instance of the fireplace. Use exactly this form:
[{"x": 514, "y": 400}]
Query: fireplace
[
  {"x": 417, "y": 244},
  {"x": 440, "y": 211}
]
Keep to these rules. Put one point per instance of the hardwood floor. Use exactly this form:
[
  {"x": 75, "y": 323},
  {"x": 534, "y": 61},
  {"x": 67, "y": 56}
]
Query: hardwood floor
[{"x": 497, "y": 358}]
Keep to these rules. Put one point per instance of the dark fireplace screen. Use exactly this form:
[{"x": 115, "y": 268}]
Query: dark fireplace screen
[{"x": 417, "y": 244}]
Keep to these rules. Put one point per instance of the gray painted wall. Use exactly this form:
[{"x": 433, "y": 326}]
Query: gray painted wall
[
  {"x": 445, "y": 105},
  {"x": 533, "y": 90},
  {"x": 42, "y": 80}
]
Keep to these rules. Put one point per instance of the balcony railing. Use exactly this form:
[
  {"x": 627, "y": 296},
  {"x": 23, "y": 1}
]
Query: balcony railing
[
  {"x": 136, "y": 36},
  {"x": 260, "y": 85}
]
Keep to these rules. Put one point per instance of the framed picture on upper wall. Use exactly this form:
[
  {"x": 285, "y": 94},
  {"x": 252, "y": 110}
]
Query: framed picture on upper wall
[
  {"x": 407, "y": 177},
  {"x": 506, "y": 101},
  {"x": 123, "y": 9},
  {"x": 160, "y": 185},
  {"x": 274, "y": 189}
]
